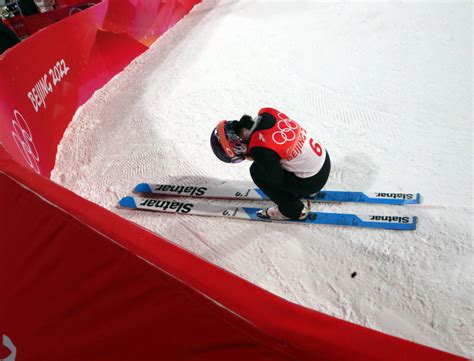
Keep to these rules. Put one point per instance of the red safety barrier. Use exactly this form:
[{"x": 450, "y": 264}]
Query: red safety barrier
[
  {"x": 80, "y": 283},
  {"x": 40, "y": 85},
  {"x": 45, "y": 79},
  {"x": 143, "y": 20},
  {"x": 33, "y": 23},
  {"x": 17, "y": 24}
]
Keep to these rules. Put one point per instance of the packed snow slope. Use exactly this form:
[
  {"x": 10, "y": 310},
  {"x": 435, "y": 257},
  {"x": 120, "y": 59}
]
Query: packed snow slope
[{"x": 386, "y": 87}]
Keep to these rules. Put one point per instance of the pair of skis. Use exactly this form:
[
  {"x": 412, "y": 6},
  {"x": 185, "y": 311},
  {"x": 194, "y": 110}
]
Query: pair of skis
[{"x": 146, "y": 199}]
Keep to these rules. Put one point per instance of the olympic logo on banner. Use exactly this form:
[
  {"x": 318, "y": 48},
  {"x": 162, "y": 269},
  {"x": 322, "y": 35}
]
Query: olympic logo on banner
[
  {"x": 24, "y": 140},
  {"x": 287, "y": 131},
  {"x": 11, "y": 347}
]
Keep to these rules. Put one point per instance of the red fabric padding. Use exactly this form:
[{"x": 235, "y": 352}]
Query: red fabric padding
[
  {"x": 80, "y": 283},
  {"x": 39, "y": 21},
  {"x": 71, "y": 293},
  {"x": 40, "y": 80},
  {"x": 44, "y": 79}
]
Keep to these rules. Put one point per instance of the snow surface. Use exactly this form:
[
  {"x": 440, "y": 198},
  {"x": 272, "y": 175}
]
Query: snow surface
[{"x": 387, "y": 87}]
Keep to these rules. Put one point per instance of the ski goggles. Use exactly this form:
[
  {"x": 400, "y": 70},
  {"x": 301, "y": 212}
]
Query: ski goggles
[{"x": 228, "y": 146}]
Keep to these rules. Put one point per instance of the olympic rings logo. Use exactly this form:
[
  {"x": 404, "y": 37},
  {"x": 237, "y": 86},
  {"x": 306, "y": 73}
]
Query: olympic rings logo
[
  {"x": 8, "y": 344},
  {"x": 24, "y": 140},
  {"x": 288, "y": 131}
]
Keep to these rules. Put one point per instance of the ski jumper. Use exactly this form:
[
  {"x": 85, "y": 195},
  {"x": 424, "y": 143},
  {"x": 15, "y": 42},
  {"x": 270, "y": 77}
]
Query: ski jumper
[{"x": 288, "y": 162}]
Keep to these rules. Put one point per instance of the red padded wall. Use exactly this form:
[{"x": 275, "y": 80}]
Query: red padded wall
[{"x": 80, "y": 283}]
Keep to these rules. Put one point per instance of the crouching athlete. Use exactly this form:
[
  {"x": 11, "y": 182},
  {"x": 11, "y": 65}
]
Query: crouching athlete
[{"x": 288, "y": 163}]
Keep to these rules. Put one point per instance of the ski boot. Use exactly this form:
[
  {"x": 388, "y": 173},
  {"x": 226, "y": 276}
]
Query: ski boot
[{"x": 274, "y": 213}]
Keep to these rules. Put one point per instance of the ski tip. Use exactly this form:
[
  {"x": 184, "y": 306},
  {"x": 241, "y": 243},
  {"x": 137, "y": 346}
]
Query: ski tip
[
  {"x": 142, "y": 188},
  {"x": 415, "y": 198},
  {"x": 127, "y": 202},
  {"x": 410, "y": 226},
  {"x": 418, "y": 198}
]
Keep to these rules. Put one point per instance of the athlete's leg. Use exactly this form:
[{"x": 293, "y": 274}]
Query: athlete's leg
[
  {"x": 288, "y": 195},
  {"x": 288, "y": 203}
]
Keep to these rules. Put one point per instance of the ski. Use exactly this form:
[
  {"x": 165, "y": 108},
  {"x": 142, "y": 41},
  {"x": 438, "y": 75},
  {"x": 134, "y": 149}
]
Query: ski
[
  {"x": 179, "y": 206},
  {"x": 256, "y": 194}
]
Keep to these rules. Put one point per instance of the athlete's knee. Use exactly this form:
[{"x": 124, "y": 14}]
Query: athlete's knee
[{"x": 256, "y": 172}]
